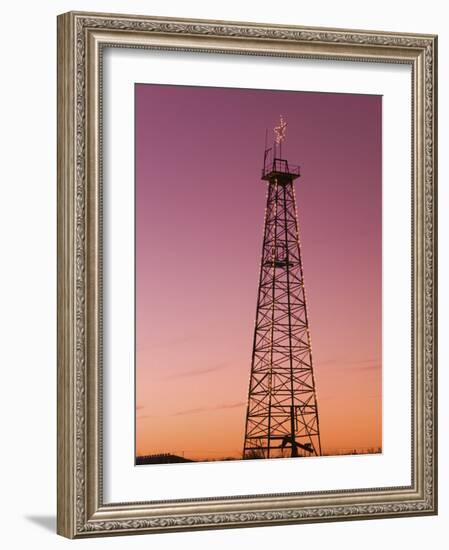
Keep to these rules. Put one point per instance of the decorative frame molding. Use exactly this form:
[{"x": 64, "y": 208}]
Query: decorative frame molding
[{"x": 81, "y": 37}]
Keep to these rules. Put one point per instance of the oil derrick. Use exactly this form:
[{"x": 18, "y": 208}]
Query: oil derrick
[{"x": 282, "y": 412}]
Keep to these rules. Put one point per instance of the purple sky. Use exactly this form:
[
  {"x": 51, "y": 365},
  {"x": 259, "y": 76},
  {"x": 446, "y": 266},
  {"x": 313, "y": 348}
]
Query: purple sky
[{"x": 199, "y": 221}]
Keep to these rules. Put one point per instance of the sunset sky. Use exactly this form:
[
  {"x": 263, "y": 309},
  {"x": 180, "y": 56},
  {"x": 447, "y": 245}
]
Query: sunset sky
[{"x": 199, "y": 225}]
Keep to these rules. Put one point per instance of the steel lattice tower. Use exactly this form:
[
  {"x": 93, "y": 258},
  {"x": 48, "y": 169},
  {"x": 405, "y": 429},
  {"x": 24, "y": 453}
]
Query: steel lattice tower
[{"x": 282, "y": 413}]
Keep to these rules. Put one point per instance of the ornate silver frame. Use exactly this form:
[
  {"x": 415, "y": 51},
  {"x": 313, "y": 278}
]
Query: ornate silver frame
[{"x": 81, "y": 510}]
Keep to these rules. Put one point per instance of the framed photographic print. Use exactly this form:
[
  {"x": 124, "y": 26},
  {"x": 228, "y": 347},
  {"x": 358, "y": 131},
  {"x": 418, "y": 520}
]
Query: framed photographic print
[{"x": 229, "y": 193}]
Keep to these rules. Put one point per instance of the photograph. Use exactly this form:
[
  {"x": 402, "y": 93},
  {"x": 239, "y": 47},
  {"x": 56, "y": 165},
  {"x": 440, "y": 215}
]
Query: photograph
[
  {"x": 246, "y": 252},
  {"x": 258, "y": 230}
]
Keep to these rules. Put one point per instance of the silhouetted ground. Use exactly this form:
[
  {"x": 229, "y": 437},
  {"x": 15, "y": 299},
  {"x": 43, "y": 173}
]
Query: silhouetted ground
[{"x": 163, "y": 458}]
